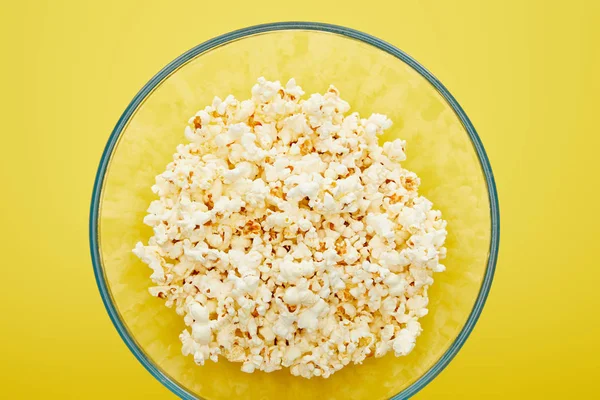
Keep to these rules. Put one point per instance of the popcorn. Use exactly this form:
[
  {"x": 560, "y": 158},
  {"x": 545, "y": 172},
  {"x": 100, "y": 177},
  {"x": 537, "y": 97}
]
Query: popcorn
[
  {"x": 277, "y": 220},
  {"x": 295, "y": 296},
  {"x": 381, "y": 225},
  {"x": 403, "y": 343},
  {"x": 395, "y": 150},
  {"x": 302, "y": 190},
  {"x": 286, "y": 237},
  {"x": 309, "y": 318},
  {"x": 304, "y": 224}
]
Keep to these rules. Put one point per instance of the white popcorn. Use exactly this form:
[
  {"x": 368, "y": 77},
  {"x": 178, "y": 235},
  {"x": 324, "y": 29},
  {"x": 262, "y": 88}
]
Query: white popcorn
[
  {"x": 376, "y": 124},
  {"x": 277, "y": 220},
  {"x": 291, "y": 355},
  {"x": 285, "y": 236},
  {"x": 243, "y": 169},
  {"x": 396, "y": 284},
  {"x": 284, "y": 326},
  {"x": 304, "y": 189},
  {"x": 290, "y": 271},
  {"x": 264, "y": 91},
  {"x": 395, "y": 150},
  {"x": 301, "y": 251},
  {"x": 201, "y": 333},
  {"x": 150, "y": 256},
  {"x": 295, "y": 296},
  {"x": 257, "y": 194},
  {"x": 381, "y": 225},
  {"x": 293, "y": 89},
  {"x": 309, "y": 318},
  {"x": 403, "y": 343},
  {"x": 412, "y": 218},
  {"x": 304, "y": 224}
]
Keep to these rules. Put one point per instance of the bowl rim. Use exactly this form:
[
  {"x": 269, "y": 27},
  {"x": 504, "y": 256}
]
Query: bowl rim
[{"x": 105, "y": 293}]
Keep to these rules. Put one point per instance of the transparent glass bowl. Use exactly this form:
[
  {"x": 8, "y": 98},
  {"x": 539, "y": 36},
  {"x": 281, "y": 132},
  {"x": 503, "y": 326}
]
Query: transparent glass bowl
[{"x": 373, "y": 76}]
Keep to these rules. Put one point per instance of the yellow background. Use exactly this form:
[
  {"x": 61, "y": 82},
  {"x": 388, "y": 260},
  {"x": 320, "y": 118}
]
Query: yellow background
[{"x": 525, "y": 72}]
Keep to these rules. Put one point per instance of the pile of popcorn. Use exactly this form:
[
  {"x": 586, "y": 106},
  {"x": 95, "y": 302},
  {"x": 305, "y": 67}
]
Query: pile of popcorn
[{"x": 287, "y": 237}]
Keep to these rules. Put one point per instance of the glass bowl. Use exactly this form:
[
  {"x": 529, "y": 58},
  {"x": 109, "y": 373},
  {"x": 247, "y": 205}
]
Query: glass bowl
[{"x": 373, "y": 76}]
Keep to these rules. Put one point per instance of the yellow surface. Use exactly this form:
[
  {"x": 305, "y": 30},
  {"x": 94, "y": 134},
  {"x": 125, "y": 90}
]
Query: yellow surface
[{"x": 525, "y": 72}]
